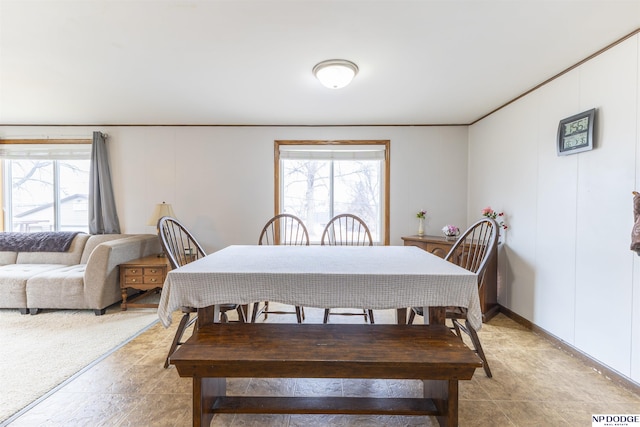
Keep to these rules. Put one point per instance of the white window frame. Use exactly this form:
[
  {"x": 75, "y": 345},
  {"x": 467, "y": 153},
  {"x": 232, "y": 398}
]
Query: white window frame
[{"x": 54, "y": 150}]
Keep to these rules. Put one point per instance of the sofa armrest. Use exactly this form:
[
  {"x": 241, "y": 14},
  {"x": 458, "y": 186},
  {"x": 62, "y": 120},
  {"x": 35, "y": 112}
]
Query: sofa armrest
[{"x": 101, "y": 276}]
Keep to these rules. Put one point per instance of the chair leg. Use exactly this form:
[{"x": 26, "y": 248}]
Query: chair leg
[
  {"x": 475, "y": 339},
  {"x": 365, "y": 313},
  {"x": 457, "y": 327},
  {"x": 241, "y": 315},
  {"x": 254, "y": 312},
  {"x": 412, "y": 316},
  {"x": 182, "y": 326},
  {"x": 257, "y": 311}
]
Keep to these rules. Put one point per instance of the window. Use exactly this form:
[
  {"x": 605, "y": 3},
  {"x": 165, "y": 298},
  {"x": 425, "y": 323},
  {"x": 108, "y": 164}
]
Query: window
[
  {"x": 45, "y": 187},
  {"x": 316, "y": 180}
]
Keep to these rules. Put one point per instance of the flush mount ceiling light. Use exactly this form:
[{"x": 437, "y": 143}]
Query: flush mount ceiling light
[{"x": 335, "y": 73}]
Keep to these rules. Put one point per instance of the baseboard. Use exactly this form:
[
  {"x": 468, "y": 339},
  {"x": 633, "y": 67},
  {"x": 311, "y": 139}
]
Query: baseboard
[{"x": 613, "y": 375}]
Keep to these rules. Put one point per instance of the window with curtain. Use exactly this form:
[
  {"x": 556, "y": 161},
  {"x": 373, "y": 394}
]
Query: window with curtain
[
  {"x": 45, "y": 186},
  {"x": 316, "y": 180}
]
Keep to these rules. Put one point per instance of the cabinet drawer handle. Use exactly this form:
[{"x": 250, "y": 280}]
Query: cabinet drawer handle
[
  {"x": 133, "y": 271},
  {"x": 134, "y": 280},
  {"x": 153, "y": 270},
  {"x": 153, "y": 280}
]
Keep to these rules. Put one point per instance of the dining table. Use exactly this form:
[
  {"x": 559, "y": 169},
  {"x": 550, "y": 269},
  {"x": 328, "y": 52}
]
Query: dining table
[{"x": 368, "y": 277}]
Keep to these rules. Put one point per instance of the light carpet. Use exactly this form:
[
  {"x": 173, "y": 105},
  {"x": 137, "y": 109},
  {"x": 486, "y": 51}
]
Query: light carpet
[{"x": 37, "y": 353}]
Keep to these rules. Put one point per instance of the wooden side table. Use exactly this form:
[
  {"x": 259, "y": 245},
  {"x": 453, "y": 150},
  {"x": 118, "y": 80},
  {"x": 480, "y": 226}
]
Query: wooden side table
[
  {"x": 440, "y": 246},
  {"x": 144, "y": 274}
]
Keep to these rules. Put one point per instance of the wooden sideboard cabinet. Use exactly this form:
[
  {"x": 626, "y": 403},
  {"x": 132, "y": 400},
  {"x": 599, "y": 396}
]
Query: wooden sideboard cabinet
[{"x": 440, "y": 246}]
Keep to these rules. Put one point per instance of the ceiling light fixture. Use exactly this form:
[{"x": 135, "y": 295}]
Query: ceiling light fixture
[{"x": 335, "y": 73}]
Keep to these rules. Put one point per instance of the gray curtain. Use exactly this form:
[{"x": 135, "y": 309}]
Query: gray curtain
[{"x": 103, "y": 218}]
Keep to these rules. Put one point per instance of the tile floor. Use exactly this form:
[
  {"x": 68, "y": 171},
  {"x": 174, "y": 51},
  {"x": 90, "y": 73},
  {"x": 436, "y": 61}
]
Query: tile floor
[{"x": 534, "y": 384}]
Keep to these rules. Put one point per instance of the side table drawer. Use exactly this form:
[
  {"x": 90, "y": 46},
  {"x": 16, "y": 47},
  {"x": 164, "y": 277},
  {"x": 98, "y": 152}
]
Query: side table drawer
[
  {"x": 150, "y": 280},
  {"x": 132, "y": 280},
  {"x": 133, "y": 271},
  {"x": 153, "y": 271}
]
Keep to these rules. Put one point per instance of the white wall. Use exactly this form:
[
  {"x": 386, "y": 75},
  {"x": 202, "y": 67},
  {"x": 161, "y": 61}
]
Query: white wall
[
  {"x": 566, "y": 265},
  {"x": 220, "y": 179}
]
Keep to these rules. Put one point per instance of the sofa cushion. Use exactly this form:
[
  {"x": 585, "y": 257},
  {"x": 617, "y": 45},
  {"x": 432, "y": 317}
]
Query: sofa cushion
[
  {"x": 8, "y": 257},
  {"x": 59, "y": 288},
  {"x": 13, "y": 280},
  {"x": 71, "y": 257},
  {"x": 94, "y": 240}
]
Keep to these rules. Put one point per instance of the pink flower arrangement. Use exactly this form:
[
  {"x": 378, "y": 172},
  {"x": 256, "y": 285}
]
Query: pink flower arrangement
[
  {"x": 450, "y": 230},
  {"x": 421, "y": 214},
  {"x": 490, "y": 213}
]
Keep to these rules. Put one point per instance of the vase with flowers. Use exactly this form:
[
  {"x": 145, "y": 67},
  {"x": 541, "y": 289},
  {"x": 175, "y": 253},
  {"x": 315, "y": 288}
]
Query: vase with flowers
[
  {"x": 421, "y": 215},
  {"x": 451, "y": 232},
  {"x": 498, "y": 217}
]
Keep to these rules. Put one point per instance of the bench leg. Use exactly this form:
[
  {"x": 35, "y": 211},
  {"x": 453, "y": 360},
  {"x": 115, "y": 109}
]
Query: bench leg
[
  {"x": 205, "y": 392},
  {"x": 445, "y": 396}
]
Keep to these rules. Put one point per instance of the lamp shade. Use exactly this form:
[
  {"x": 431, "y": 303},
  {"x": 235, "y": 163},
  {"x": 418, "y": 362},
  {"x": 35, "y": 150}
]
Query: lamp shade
[
  {"x": 335, "y": 73},
  {"x": 161, "y": 209}
]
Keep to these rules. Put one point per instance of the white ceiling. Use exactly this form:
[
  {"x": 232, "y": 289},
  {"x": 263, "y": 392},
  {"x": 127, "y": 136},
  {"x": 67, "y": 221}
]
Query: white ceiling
[{"x": 248, "y": 62}]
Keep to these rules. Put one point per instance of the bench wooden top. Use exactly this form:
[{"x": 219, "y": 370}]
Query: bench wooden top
[{"x": 325, "y": 351}]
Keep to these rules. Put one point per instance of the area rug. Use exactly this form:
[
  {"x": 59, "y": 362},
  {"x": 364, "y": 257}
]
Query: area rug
[{"x": 38, "y": 353}]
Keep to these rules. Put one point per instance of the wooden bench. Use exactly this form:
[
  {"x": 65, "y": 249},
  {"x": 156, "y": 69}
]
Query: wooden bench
[{"x": 429, "y": 353}]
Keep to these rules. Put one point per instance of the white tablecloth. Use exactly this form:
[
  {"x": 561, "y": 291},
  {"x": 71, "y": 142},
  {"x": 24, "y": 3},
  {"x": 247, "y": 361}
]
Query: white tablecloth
[{"x": 375, "y": 277}]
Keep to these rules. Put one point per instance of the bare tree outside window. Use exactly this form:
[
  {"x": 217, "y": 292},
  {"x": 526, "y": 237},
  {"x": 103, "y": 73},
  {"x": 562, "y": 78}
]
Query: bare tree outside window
[
  {"x": 47, "y": 195},
  {"x": 317, "y": 180},
  {"x": 358, "y": 182},
  {"x": 316, "y": 191},
  {"x": 306, "y": 193}
]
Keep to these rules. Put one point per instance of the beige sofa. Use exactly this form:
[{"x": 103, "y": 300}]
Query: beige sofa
[{"x": 83, "y": 277}]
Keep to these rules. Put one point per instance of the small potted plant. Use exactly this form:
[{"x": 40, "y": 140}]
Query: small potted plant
[{"x": 451, "y": 232}]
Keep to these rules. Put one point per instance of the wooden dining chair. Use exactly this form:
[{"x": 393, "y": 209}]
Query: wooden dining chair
[
  {"x": 282, "y": 229},
  {"x": 347, "y": 230},
  {"x": 181, "y": 248},
  {"x": 472, "y": 251}
]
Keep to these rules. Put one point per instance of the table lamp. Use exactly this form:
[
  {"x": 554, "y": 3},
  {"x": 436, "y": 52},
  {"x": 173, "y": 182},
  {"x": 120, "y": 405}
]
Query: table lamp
[{"x": 161, "y": 209}]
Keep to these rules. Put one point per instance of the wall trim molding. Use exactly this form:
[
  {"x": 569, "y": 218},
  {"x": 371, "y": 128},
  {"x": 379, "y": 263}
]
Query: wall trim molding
[
  {"x": 560, "y": 74},
  {"x": 562, "y": 345},
  {"x": 196, "y": 125}
]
